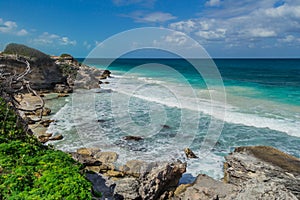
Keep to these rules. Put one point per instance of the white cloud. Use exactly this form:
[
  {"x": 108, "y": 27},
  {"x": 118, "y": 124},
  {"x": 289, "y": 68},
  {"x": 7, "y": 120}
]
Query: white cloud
[
  {"x": 11, "y": 27},
  {"x": 245, "y": 22},
  {"x": 261, "y": 32},
  {"x": 213, "y": 3},
  {"x": 22, "y": 32},
  {"x": 155, "y": 17},
  {"x": 53, "y": 39},
  {"x": 212, "y": 35}
]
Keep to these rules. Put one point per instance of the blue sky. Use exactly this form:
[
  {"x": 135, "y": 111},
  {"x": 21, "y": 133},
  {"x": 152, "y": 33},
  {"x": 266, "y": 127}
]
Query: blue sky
[{"x": 225, "y": 28}]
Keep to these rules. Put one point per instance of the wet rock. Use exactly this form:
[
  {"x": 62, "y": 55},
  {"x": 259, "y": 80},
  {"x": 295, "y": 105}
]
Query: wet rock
[
  {"x": 132, "y": 138},
  {"x": 165, "y": 126},
  {"x": 101, "y": 120},
  {"x": 85, "y": 159},
  {"x": 47, "y": 122},
  {"x": 189, "y": 153},
  {"x": 160, "y": 179},
  {"x": 57, "y": 137},
  {"x": 264, "y": 166}
]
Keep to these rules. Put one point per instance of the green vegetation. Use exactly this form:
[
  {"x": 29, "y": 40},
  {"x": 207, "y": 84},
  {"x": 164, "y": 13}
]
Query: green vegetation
[
  {"x": 68, "y": 70},
  {"x": 31, "y": 53},
  {"x": 65, "y": 55},
  {"x": 30, "y": 170}
]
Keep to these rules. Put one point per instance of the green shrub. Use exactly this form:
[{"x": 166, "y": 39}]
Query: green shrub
[
  {"x": 30, "y": 170},
  {"x": 31, "y": 53}
]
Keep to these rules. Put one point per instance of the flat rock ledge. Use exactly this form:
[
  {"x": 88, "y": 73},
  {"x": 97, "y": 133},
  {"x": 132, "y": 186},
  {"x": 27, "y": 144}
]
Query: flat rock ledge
[{"x": 250, "y": 173}]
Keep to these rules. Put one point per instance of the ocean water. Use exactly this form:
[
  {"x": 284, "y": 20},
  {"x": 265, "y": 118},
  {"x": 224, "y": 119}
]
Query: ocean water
[{"x": 173, "y": 106}]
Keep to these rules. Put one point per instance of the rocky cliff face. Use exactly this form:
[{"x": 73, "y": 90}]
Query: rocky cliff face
[{"x": 43, "y": 75}]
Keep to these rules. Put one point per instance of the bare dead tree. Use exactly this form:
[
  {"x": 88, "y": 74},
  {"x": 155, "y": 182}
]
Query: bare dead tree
[{"x": 13, "y": 84}]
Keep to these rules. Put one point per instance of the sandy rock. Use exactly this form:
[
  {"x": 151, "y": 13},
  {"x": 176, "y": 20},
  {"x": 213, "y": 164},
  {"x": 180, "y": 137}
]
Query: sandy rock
[
  {"x": 88, "y": 151},
  {"x": 106, "y": 157}
]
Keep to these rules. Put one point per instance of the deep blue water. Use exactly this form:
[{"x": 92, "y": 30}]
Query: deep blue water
[{"x": 262, "y": 108}]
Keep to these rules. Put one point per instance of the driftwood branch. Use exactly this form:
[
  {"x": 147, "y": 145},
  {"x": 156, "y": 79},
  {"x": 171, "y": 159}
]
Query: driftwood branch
[{"x": 15, "y": 84}]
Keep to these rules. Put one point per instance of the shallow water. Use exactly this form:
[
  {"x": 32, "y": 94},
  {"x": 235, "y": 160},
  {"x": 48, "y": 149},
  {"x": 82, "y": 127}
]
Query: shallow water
[{"x": 173, "y": 110}]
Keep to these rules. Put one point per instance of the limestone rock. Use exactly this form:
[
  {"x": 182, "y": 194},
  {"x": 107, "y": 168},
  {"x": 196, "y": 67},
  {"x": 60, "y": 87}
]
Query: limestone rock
[
  {"x": 263, "y": 165},
  {"x": 127, "y": 188},
  {"x": 164, "y": 177},
  {"x": 137, "y": 167}
]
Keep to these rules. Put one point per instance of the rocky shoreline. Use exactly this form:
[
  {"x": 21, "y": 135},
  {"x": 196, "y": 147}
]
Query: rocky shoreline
[
  {"x": 259, "y": 172},
  {"x": 254, "y": 172}
]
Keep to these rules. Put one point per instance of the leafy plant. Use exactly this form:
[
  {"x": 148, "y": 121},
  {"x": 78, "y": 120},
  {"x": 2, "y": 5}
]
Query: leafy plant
[{"x": 30, "y": 170}]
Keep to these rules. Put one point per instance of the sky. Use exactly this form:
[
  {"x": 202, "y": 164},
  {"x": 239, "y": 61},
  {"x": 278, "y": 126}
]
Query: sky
[{"x": 225, "y": 28}]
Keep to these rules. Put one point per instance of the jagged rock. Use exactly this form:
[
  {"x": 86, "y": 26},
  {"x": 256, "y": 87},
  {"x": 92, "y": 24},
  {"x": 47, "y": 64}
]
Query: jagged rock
[
  {"x": 85, "y": 159},
  {"x": 57, "y": 137},
  {"x": 265, "y": 166},
  {"x": 189, "y": 153},
  {"x": 103, "y": 185},
  {"x": 127, "y": 188},
  {"x": 106, "y": 157},
  {"x": 164, "y": 177},
  {"x": 131, "y": 137}
]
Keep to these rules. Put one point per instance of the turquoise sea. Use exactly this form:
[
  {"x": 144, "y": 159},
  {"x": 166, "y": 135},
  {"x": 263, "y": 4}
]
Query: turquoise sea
[{"x": 172, "y": 106}]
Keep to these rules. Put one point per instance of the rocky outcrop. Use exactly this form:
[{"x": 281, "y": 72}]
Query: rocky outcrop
[
  {"x": 262, "y": 169},
  {"x": 250, "y": 173},
  {"x": 45, "y": 74}
]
